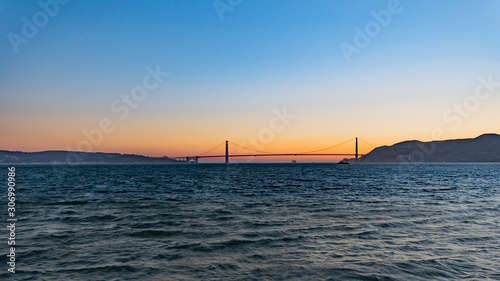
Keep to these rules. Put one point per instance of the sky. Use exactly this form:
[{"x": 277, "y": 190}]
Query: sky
[{"x": 178, "y": 78}]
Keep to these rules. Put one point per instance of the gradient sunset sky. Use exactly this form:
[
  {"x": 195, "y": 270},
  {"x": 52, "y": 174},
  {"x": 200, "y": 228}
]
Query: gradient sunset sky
[{"x": 231, "y": 71}]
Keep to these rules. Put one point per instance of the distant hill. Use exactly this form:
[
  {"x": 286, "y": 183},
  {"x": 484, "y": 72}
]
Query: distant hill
[
  {"x": 485, "y": 148},
  {"x": 71, "y": 157}
]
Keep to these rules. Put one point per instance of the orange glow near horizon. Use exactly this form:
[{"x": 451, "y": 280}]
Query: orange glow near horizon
[
  {"x": 163, "y": 144},
  {"x": 150, "y": 135}
]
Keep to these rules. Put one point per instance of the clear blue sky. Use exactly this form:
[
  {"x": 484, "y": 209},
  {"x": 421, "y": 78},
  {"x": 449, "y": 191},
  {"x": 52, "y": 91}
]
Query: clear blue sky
[{"x": 226, "y": 76}]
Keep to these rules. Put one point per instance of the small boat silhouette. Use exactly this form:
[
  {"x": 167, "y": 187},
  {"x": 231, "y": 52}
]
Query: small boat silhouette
[{"x": 344, "y": 161}]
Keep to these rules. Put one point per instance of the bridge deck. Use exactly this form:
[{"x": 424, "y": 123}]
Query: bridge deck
[
  {"x": 267, "y": 154},
  {"x": 276, "y": 154}
]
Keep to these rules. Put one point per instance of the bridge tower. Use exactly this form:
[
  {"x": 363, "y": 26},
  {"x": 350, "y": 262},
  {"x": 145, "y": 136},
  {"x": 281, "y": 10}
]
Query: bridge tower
[
  {"x": 356, "y": 149},
  {"x": 227, "y": 152}
]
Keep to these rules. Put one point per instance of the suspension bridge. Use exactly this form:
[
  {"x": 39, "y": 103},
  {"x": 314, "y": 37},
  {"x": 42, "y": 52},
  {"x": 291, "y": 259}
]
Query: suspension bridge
[{"x": 258, "y": 153}]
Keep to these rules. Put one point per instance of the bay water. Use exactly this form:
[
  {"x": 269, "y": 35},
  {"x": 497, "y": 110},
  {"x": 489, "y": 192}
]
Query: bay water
[{"x": 257, "y": 222}]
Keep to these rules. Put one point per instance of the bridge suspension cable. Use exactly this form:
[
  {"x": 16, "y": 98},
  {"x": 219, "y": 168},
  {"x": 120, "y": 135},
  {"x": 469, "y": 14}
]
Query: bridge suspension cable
[
  {"x": 367, "y": 143},
  {"x": 265, "y": 153},
  {"x": 327, "y": 147},
  {"x": 248, "y": 148},
  {"x": 211, "y": 149}
]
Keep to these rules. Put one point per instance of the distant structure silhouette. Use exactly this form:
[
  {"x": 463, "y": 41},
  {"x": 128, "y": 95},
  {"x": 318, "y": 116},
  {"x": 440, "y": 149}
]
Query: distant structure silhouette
[{"x": 195, "y": 159}]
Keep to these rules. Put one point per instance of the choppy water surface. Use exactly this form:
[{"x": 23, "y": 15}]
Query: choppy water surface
[{"x": 258, "y": 222}]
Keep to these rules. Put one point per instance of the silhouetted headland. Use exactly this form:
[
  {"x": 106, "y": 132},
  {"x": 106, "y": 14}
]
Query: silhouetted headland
[
  {"x": 72, "y": 157},
  {"x": 485, "y": 148}
]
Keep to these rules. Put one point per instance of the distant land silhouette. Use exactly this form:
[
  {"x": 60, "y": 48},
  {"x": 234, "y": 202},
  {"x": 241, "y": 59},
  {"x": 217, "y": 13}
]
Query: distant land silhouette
[
  {"x": 72, "y": 157},
  {"x": 485, "y": 148}
]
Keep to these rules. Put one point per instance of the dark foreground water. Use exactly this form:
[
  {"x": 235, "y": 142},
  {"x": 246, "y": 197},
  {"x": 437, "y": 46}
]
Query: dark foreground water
[{"x": 256, "y": 222}]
